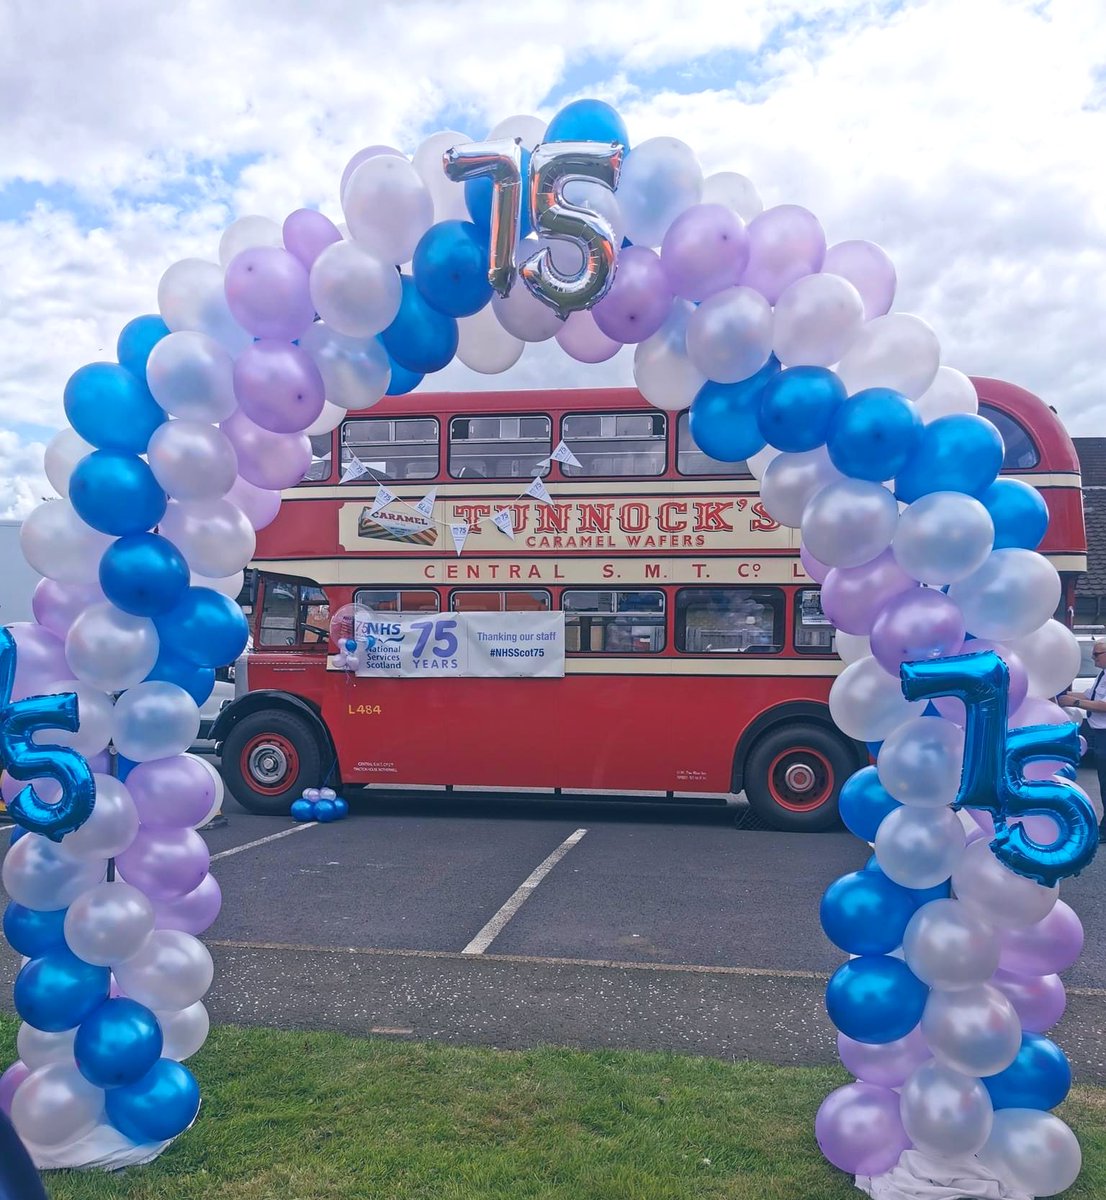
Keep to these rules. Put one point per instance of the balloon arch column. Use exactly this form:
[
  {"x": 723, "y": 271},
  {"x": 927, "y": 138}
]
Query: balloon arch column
[{"x": 789, "y": 356}]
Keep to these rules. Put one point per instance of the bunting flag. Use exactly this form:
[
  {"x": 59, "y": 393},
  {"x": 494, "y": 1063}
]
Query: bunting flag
[
  {"x": 426, "y": 504},
  {"x": 538, "y": 490},
  {"x": 383, "y": 499},
  {"x": 504, "y": 522},
  {"x": 355, "y": 468},
  {"x": 564, "y": 455},
  {"x": 460, "y": 533}
]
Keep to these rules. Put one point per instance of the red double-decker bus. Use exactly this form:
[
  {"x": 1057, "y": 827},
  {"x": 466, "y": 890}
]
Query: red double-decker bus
[{"x": 697, "y": 658}]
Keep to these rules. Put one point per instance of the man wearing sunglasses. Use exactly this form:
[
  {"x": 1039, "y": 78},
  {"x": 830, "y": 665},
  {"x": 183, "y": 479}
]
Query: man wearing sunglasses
[{"x": 1093, "y": 703}]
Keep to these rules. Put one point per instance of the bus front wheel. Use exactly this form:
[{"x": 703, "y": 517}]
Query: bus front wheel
[
  {"x": 793, "y": 775},
  {"x": 268, "y": 759}
]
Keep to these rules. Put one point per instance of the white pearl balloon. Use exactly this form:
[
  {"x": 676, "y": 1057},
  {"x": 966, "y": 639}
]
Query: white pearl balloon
[
  {"x": 1013, "y": 593},
  {"x": 112, "y": 826},
  {"x": 58, "y": 544},
  {"x": 867, "y": 703},
  {"x": 387, "y": 207},
  {"x": 948, "y": 947},
  {"x": 791, "y": 479},
  {"x": 109, "y": 923},
  {"x": 448, "y": 196},
  {"x": 109, "y": 649},
  {"x": 215, "y": 536},
  {"x": 659, "y": 179},
  {"x": 192, "y": 460},
  {"x": 996, "y": 894},
  {"x": 898, "y": 351},
  {"x": 663, "y": 372},
  {"x": 921, "y": 760},
  {"x": 172, "y": 971},
  {"x": 817, "y": 319},
  {"x": 530, "y": 129},
  {"x": 246, "y": 233},
  {"x": 94, "y": 713},
  {"x": 735, "y": 192},
  {"x": 56, "y": 1105},
  {"x": 38, "y": 873},
  {"x": 524, "y": 316},
  {"x": 484, "y": 345},
  {"x": 184, "y": 1031},
  {"x": 37, "y": 1048},
  {"x": 63, "y": 452},
  {"x": 191, "y": 376},
  {"x": 1051, "y": 657},
  {"x": 919, "y": 848},
  {"x": 974, "y": 1030},
  {"x": 849, "y": 522},
  {"x": 155, "y": 720},
  {"x": 190, "y": 296},
  {"x": 950, "y": 392},
  {"x": 356, "y": 293}
]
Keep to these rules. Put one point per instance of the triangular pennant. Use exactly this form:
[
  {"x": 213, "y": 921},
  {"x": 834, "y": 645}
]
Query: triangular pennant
[
  {"x": 538, "y": 490},
  {"x": 355, "y": 468},
  {"x": 564, "y": 455},
  {"x": 383, "y": 499},
  {"x": 504, "y": 522},
  {"x": 426, "y": 504},
  {"x": 460, "y": 533}
]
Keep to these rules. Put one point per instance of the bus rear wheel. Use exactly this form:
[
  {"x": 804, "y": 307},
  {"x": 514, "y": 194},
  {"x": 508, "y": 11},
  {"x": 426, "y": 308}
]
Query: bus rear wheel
[
  {"x": 793, "y": 776},
  {"x": 268, "y": 759}
]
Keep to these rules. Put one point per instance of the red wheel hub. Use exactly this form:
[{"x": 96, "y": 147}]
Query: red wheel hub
[
  {"x": 800, "y": 779},
  {"x": 270, "y": 763}
]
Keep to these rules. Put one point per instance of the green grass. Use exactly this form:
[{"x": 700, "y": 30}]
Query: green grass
[{"x": 314, "y": 1116}]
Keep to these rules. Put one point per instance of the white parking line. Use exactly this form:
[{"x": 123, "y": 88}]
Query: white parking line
[
  {"x": 522, "y": 893},
  {"x": 261, "y": 841}
]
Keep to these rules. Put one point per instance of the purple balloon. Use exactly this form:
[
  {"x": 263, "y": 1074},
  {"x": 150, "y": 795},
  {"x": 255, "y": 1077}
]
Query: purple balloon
[
  {"x": 953, "y": 709},
  {"x": 171, "y": 793},
  {"x": 273, "y": 461},
  {"x": 362, "y": 156},
  {"x": 307, "y": 233},
  {"x": 9, "y": 1081},
  {"x": 859, "y": 1129},
  {"x": 639, "y": 300},
  {"x": 888, "y": 1064},
  {"x": 815, "y": 569},
  {"x": 580, "y": 338},
  {"x": 193, "y": 913},
  {"x": 278, "y": 386},
  {"x": 785, "y": 243},
  {"x": 852, "y": 597},
  {"x": 259, "y": 504},
  {"x": 40, "y": 659},
  {"x": 57, "y": 605},
  {"x": 868, "y": 268},
  {"x": 165, "y": 863},
  {"x": 1050, "y": 946},
  {"x": 916, "y": 624},
  {"x": 1039, "y": 1000},
  {"x": 268, "y": 294},
  {"x": 704, "y": 251}
]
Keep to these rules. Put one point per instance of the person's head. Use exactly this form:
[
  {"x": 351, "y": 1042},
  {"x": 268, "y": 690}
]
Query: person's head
[{"x": 1099, "y": 652}]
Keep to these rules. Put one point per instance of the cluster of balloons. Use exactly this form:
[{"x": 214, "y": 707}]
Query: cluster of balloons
[{"x": 319, "y": 804}]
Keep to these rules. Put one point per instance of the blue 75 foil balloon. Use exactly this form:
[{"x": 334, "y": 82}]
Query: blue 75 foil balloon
[
  {"x": 993, "y": 761},
  {"x": 23, "y": 759}
]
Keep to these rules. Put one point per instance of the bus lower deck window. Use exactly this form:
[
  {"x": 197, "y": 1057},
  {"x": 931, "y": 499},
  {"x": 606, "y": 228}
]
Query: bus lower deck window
[
  {"x": 814, "y": 631},
  {"x": 395, "y": 600},
  {"x": 610, "y": 622},
  {"x": 724, "y": 620}
]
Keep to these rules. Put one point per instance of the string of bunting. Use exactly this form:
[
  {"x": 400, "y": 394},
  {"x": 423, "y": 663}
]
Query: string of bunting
[{"x": 459, "y": 530}]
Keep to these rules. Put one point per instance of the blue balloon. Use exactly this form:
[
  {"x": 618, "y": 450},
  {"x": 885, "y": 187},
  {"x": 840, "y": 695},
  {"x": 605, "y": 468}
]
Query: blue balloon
[
  {"x": 341, "y": 807},
  {"x": 478, "y": 200},
  {"x": 723, "y": 416},
  {"x": 116, "y": 493},
  {"x": 143, "y": 574},
  {"x": 450, "y": 268},
  {"x": 205, "y": 628},
  {"x": 118, "y": 1043},
  {"x": 111, "y": 408},
  {"x": 301, "y": 810},
  {"x": 958, "y": 453},
  {"x": 161, "y": 1105},
  {"x": 420, "y": 338},
  {"x": 1040, "y": 1076},
  {"x": 797, "y": 407},
  {"x": 866, "y": 913},
  {"x": 873, "y": 434},
  {"x": 19, "y": 1177},
  {"x": 875, "y": 999},
  {"x": 324, "y": 811},
  {"x": 57, "y": 990},
  {"x": 1019, "y": 513},
  {"x": 864, "y": 802},
  {"x": 402, "y": 380},
  {"x": 124, "y": 766},
  {"x": 17, "y": 832},
  {"x": 33, "y": 933},
  {"x": 136, "y": 341},
  {"x": 587, "y": 121},
  {"x": 198, "y": 682},
  {"x": 939, "y": 891}
]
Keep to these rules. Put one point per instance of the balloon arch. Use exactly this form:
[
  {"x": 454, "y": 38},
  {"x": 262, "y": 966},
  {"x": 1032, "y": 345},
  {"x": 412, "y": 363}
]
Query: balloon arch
[{"x": 789, "y": 356}]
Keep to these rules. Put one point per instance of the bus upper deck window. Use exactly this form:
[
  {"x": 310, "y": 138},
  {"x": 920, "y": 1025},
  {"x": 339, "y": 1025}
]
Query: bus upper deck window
[
  {"x": 615, "y": 443},
  {"x": 1021, "y": 452},
  {"x": 392, "y": 448},
  {"x": 321, "y": 450},
  {"x": 500, "y": 447}
]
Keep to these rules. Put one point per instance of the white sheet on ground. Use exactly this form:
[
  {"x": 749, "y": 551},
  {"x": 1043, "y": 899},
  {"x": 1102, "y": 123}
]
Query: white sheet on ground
[
  {"x": 104, "y": 1149},
  {"x": 920, "y": 1177}
]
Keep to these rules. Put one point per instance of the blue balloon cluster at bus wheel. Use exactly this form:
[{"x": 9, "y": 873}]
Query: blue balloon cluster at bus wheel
[
  {"x": 116, "y": 493},
  {"x": 1019, "y": 513},
  {"x": 159, "y": 1106},
  {"x": 1039, "y": 1077},
  {"x": 587, "y": 121},
  {"x": 111, "y": 408},
  {"x": 420, "y": 338},
  {"x": 143, "y": 574},
  {"x": 958, "y": 453},
  {"x": 875, "y": 999},
  {"x": 873, "y": 434},
  {"x": 137, "y": 339},
  {"x": 450, "y": 267},
  {"x": 319, "y": 804},
  {"x": 797, "y": 407}
]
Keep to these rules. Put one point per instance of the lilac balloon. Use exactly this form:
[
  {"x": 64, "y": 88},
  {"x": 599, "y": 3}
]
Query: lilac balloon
[
  {"x": 580, "y": 338},
  {"x": 639, "y": 300},
  {"x": 859, "y": 1129},
  {"x": 953, "y": 709},
  {"x": 278, "y": 386},
  {"x": 9, "y": 1081},
  {"x": 193, "y": 913},
  {"x": 363, "y": 156},
  {"x": 852, "y": 597},
  {"x": 916, "y": 624},
  {"x": 268, "y": 293},
  {"x": 307, "y": 233},
  {"x": 40, "y": 659},
  {"x": 57, "y": 605},
  {"x": 259, "y": 504},
  {"x": 172, "y": 793},
  {"x": 888, "y": 1064},
  {"x": 815, "y": 569},
  {"x": 267, "y": 460},
  {"x": 1050, "y": 946},
  {"x": 1039, "y": 1000},
  {"x": 1028, "y": 711},
  {"x": 868, "y": 268},
  {"x": 165, "y": 863},
  {"x": 785, "y": 243},
  {"x": 705, "y": 250}
]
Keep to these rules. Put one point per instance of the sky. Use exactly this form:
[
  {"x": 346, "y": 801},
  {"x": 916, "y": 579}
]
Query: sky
[{"x": 967, "y": 138}]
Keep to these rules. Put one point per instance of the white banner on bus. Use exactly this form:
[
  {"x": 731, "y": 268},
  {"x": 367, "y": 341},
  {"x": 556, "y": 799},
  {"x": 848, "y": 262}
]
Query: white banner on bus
[
  {"x": 564, "y": 455},
  {"x": 382, "y": 500},
  {"x": 539, "y": 491},
  {"x": 463, "y": 645},
  {"x": 460, "y": 535},
  {"x": 426, "y": 504}
]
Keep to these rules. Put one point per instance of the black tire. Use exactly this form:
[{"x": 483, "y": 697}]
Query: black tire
[
  {"x": 268, "y": 758},
  {"x": 793, "y": 775}
]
